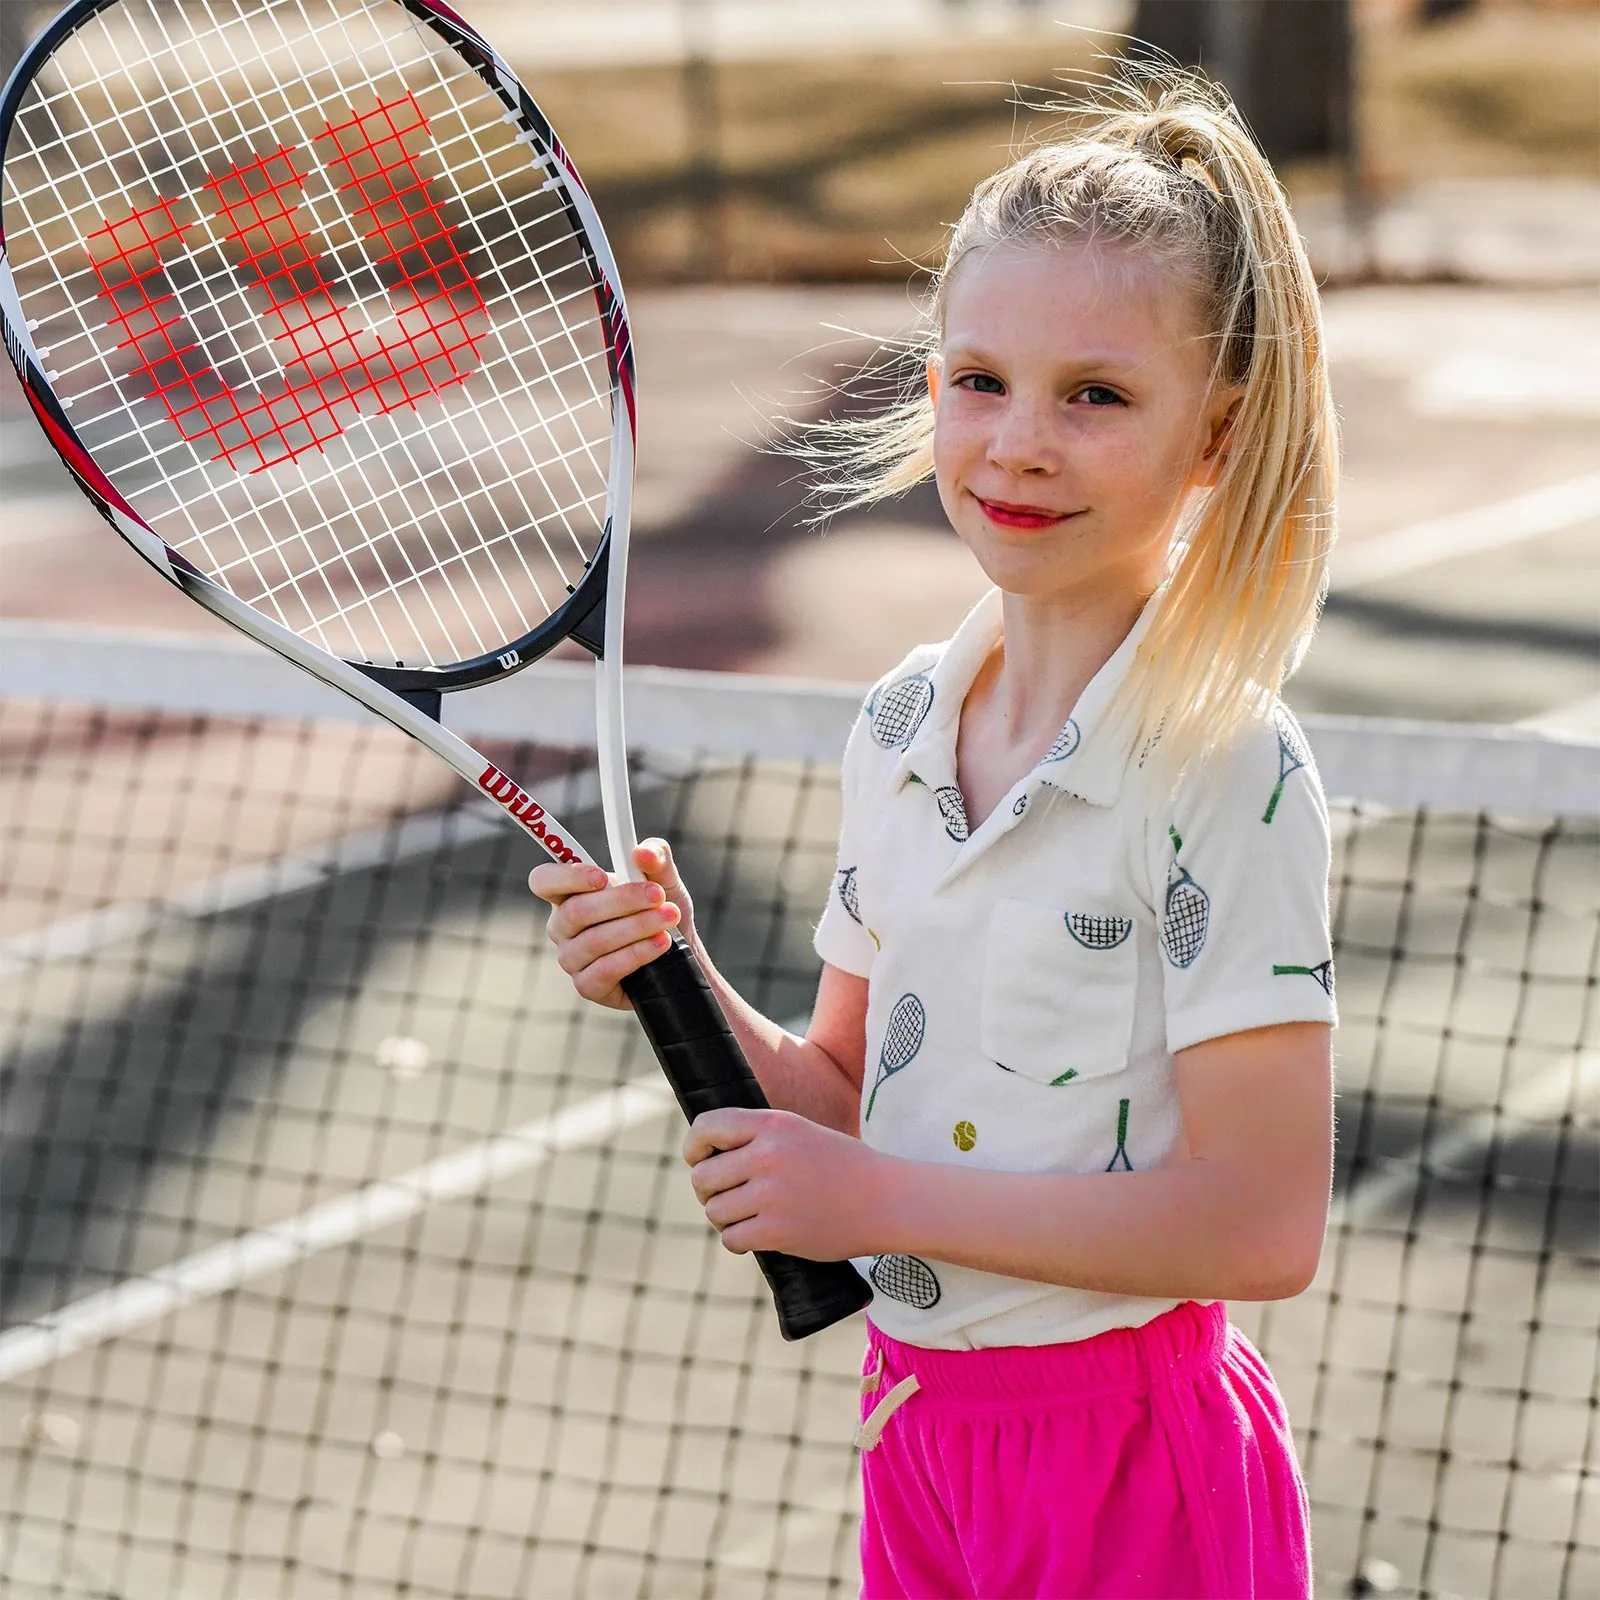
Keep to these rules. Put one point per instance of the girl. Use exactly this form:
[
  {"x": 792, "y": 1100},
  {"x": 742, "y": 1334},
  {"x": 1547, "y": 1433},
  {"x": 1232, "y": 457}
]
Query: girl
[{"x": 1067, "y": 1083}]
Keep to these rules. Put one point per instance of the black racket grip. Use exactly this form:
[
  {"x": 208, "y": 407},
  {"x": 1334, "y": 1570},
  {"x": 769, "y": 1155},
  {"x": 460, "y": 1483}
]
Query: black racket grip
[{"x": 701, "y": 1057}]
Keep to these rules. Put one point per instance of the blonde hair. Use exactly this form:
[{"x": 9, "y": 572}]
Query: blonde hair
[{"x": 1163, "y": 168}]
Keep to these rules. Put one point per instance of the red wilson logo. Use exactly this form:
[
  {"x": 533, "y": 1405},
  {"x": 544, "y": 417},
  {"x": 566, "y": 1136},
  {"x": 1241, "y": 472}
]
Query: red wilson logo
[
  {"x": 337, "y": 354},
  {"x": 512, "y": 797}
]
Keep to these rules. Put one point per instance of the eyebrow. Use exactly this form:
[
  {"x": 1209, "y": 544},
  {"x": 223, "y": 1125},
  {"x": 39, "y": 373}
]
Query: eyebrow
[{"x": 1098, "y": 359}]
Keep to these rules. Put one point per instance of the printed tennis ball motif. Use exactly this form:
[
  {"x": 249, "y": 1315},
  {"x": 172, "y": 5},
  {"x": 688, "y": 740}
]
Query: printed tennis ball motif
[
  {"x": 1292, "y": 756},
  {"x": 954, "y": 811},
  {"x": 965, "y": 1136},
  {"x": 1188, "y": 912},
  {"x": 906, "y": 1279},
  {"x": 898, "y": 709},
  {"x": 1098, "y": 933},
  {"x": 1322, "y": 972},
  {"x": 902, "y": 1039}
]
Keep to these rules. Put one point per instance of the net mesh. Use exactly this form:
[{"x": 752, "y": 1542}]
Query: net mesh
[
  {"x": 374, "y": 1268},
  {"x": 319, "y": 311}
]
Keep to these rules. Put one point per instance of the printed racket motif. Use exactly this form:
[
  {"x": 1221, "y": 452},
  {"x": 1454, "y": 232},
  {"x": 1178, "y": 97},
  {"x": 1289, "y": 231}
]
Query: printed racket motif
[
  {"x": 954, "y": 811},
  {"x": 1322, "y": 972},
  {"x": 898, "y": 709},
  {"x": 907, "y": 1279},
  {"x": 1096, "y": 932},
  {"x": 1292, "y": 756},
  {"x": 1067, "y": 741},
  {"x": 849, "y": 895},
  {"x": 902, "y": 1039},
  {"x": 1187, "y": 913},
  {"x": 1120, "y": 1162}
]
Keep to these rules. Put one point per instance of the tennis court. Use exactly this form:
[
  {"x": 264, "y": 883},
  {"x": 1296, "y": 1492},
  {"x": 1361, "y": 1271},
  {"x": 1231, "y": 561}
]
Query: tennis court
[{"x": 347, "y": 1255}]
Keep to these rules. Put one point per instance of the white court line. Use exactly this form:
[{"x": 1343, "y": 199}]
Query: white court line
[
  {"x": 226, "y": 1267},
  {"x": 1545, "y": 1094},
  {"x": 1524, "y": 516},
  {"x": 246, "y": 886}
]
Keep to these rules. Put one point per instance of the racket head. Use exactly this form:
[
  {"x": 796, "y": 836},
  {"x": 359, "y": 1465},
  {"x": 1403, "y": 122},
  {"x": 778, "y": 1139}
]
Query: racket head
[
  {"x": 1186, "y": 919},
  {"x": 953, "y": 809},
  {"x": 902, "y": 1038},
  {"x": 1095, "y": 932},
  {"x": 313, "y": 303},
  {"x": 908, "y": 1279},
  {"x": 897, "y": 710}
]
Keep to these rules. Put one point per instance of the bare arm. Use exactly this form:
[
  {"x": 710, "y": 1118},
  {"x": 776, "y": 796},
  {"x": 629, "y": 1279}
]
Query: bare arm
[
  {"x": 1237, "y": 1213},
  {"x": 602, "y": 931}
]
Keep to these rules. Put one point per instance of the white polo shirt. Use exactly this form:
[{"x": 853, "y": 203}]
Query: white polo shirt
[{"x": 1030, "y": 978}]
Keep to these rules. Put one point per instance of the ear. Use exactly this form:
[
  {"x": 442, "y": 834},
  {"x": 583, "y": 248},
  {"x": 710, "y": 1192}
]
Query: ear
[
  {"x": 1219, "y": 432},
  {"x": 935, "y": 378}
]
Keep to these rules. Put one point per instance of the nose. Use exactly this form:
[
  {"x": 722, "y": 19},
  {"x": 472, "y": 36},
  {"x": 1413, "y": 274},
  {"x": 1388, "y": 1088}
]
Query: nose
[{"x": 1025, "y": 440}]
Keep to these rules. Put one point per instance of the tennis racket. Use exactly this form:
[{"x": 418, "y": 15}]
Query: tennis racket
[
  {"x": 908, "y": 1279},
  {"x": 902, "y": 1039},
  {"x": 1292, "y": 756},
  {"x": 313, "y": 304},
  {"x": 1187, "y": 913}
]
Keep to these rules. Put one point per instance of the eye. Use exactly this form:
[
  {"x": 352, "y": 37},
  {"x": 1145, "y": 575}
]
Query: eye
[
  {"x": 1100, "y": 395},
  {"x": 981, "y": 383}
]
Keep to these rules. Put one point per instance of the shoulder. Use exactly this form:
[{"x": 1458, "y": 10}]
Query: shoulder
[{"x": 1265, "y": 774}]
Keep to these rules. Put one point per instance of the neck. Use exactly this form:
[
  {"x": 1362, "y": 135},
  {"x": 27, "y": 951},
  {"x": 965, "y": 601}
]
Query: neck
[{"x": 1050, "y": 650}]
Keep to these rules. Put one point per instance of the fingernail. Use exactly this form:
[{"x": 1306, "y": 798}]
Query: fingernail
[
  {"x": 661, "y": 940},
  {"x": 658, "y": 895},
  {"x": 597, "y": 879}
]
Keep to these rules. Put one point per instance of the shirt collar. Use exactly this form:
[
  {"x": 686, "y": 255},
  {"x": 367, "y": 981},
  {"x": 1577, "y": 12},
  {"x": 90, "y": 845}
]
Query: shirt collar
[{"x": 1088, "y": 759}]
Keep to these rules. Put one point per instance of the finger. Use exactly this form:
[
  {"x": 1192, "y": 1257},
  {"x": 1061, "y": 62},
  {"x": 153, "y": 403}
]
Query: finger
[
  {"x": 724, "y": 1129},
  {"x": 653, "y": 857},
  {"x": 593, "y": 907},
  {"x": 616, "y": 933},
  {"x": 725, "y": 1170},
  {"x": 601, "y": 979},
  {"x": 733, "y": 1206},
  {"x": 554, "y": 881}
]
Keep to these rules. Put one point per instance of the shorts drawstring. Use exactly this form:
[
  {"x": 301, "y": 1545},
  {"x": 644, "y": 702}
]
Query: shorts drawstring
[{"x": 870, "y": 1431}]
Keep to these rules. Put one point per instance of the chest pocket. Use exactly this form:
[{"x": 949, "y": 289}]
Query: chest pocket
[{"x": 1058, "y": 991}]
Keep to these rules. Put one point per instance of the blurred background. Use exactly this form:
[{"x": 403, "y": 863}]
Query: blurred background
[
  {"x": 260, "y": 966},
  {"x": 776, "y": 173}
]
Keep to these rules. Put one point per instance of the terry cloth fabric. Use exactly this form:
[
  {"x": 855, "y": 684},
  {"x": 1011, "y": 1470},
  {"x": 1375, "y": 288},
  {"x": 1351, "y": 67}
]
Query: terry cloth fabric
[
  {"x": 1031, "y": 978},
  {"x": 1143, "y": 1464}
]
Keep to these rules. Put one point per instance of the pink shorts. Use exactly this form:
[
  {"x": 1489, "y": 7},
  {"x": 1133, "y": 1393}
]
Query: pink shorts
[{"x": 1150, "y": 1462}]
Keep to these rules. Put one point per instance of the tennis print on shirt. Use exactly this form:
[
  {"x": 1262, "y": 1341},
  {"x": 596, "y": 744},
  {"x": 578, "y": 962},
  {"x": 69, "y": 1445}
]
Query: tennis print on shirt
[
  {"x": 1187, "y": 913},
  {"x": 1067, "y": 741},
  {"x": 954, "y": 811},
  {"x": 896, "y": 710},
  {"x": 902, "y": 1039},
  {"x": 1292, "y": 756},
  {"x": 849, "y": 894},
  {"x": 1322, "y": 972},
  {"x": 907, "y": 1279}
]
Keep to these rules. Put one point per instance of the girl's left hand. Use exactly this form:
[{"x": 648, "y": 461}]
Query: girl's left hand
[{"x": 771, "y": 1180}]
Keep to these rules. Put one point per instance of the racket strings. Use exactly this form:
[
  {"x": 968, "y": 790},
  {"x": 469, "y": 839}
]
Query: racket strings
[{"x": 424, "y": 539}]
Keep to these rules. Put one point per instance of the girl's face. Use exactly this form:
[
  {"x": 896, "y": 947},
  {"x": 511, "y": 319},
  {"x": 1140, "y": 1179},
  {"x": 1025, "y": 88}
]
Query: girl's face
[{"x": 1072, "y": 415}]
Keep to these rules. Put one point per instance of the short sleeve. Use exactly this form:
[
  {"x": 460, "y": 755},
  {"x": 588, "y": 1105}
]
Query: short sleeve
[
  {"x": 841, "y": 938},
  {"x": 1239, "y": 882}
]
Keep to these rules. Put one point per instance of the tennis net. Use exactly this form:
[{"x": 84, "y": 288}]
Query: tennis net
[{"x": 346, "y": 1254}]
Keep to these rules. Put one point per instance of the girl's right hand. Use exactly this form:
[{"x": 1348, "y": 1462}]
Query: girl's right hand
[{"x": 603, "y": 929}]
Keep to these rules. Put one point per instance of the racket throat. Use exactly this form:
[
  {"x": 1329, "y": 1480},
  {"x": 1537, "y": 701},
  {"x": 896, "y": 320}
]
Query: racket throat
[
  {"x": 589, "y": 625},
  {"x": 430, "y": 702}
]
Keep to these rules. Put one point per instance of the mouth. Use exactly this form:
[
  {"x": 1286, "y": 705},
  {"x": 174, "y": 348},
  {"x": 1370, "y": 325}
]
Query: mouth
[{"x": 1009, "y": 515}]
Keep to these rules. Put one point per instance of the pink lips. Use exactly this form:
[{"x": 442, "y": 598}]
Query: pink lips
[{"x": 1010, "y": 516}]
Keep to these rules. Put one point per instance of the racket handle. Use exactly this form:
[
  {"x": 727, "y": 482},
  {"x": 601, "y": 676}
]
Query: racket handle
[{"x": 706, "y": 1068}]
